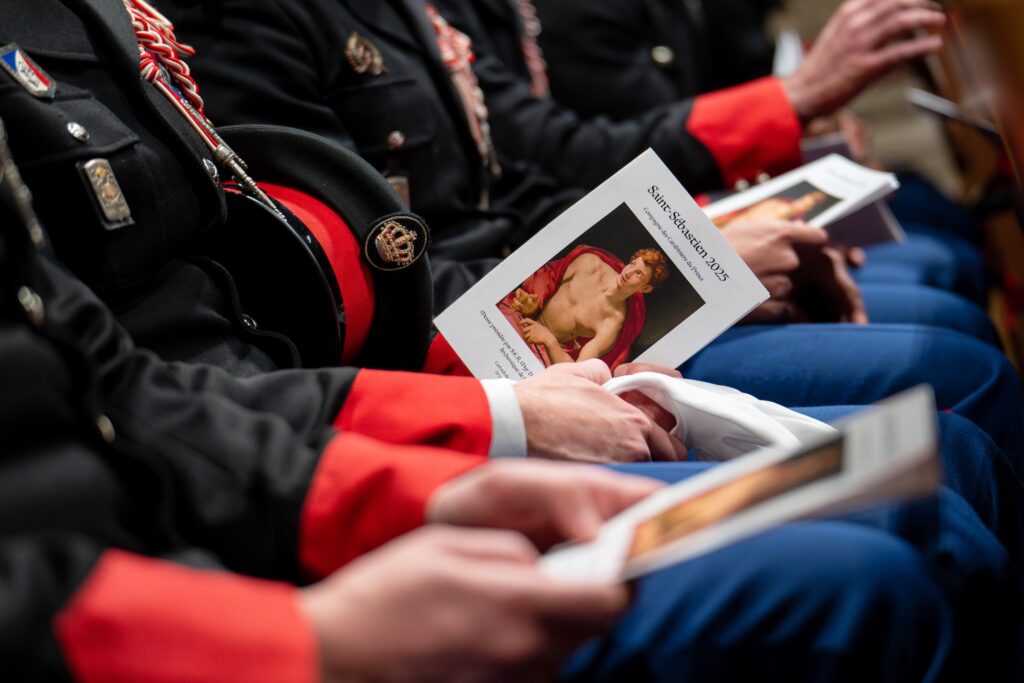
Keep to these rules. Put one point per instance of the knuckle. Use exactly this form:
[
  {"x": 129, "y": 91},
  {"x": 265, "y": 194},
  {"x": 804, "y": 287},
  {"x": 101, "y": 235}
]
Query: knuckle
[{"x": 517, "y": 647}]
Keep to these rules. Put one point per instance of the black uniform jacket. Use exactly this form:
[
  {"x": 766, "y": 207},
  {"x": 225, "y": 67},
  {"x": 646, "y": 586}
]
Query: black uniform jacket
[
  {"x": 173, "y": 271},
  {"x": 288, "y": 62},
  {"x": 622, "y": 57},
  {"x": 709, "y": 142},
  {"x": 108, "y": 447},
  {"x": 291, "y": 63}
]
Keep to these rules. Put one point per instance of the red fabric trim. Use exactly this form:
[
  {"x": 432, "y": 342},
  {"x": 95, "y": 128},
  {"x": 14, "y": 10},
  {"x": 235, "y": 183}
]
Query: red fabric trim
[
  {"x": 416, "y": 409},
  {"x": 342, "y": 249},
  {"x": 749, "y": 129},
  {"x": 140, "y": 620},
  {"x": 365, "y": 493},
  {"x": 442, "y": 360}
]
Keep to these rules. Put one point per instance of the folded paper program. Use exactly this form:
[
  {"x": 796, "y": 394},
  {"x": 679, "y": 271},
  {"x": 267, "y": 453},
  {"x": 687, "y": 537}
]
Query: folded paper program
[{"x": 718, "y": 422}]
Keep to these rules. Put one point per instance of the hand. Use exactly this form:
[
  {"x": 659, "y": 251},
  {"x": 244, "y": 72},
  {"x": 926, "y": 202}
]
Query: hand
[
  {"x": 770, "y": 250},
  {"x": 824, "y": 289},
  {"x": 536, "y": 333},
  {"x": 570, "y": 416},
  {"x": 651, "y": 408},
  {"x": 524, "y": 303},
  {"x": 769, "y": 247},
  {"x": 549, "y": 503},
  {"x": 445, "y": 605},
  {"x": 864, "y": 40}
]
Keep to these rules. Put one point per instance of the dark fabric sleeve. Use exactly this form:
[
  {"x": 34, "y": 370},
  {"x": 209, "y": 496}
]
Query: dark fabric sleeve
[
  {"x": 239, "y": 456},
  {"x": 599, "y": 57},
  {"x": 580, "y": 153},
  {"x": 264, "y": 61},
  {"x": 236, "y": 455},
  {"x": 38, "y": 574}
]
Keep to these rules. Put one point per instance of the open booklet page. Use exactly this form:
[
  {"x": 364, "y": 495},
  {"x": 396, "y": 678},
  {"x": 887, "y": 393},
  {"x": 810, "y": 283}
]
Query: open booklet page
[
  {"x": 885, "y": 454},
  {"x": 632, "y": 272},
  {"x": 875, "y": 223},
  {"x": 820, "y": 193}
]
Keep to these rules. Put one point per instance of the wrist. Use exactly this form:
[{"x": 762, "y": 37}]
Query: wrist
[
  {"x": 801, "y": 97},
  {"x": 334, "y": 632}
]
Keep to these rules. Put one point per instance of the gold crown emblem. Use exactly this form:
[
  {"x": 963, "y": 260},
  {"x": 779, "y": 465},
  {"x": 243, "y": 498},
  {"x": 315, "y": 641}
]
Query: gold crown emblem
[{"x": 396, "y": 244}]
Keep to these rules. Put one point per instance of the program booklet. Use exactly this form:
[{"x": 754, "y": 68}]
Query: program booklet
[
  {"x": 821, "y": 193},
  {"x": 885, "y": 454},
  {"x": 634, "y": 271}
]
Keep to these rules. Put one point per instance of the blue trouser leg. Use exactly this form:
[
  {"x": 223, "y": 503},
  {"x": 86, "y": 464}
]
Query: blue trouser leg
[
  {"x": 976, "y": 470},
  {"x": 808, "y": 602},
  {"x": 825, "y": 601},
  {"x": 921, "y": 305},
  {"x": 918, "y": 202},
  {"x": 807, "y": 365},
  {"x": 940, "y": 261}
]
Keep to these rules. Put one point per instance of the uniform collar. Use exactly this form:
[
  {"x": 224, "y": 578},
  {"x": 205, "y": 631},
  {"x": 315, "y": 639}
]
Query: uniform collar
[{"x": 112, "y": 19}]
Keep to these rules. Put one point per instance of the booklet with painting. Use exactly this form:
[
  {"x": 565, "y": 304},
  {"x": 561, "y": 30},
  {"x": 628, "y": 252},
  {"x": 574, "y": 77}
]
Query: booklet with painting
[
  {"x": 821, "y": 193},
  {"x": 632, "y": 272},
  {"x": 885, "y": 454}
]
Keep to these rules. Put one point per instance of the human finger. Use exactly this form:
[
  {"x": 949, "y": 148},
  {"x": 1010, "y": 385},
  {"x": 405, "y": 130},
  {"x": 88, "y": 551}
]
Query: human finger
[
  {"x": 614, "y": 491},
  {"x": 484, "y": 544},
  {"x": 799, "y": 232},
  {"x": 651, "y": 408},
  {"x": 856, "y": 257},
  {"x": 904, "y": 23},
  {"x": 635, "y": 368},
  {"x": 904, "y": 51},
  {"x": 665, "y": 447},
  {"x": 779, "y": 286},
  {"x": 591, "y": 608},
  {"x": 856, "y": 311}
]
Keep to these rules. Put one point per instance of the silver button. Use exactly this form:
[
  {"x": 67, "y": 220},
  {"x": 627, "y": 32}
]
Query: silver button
[
  {"x": 106, "y": 428},
  {"x": 212, "y": 171},
  {"x": 33, "y": 305},
  {"x": 741, "y": 185},
  {"x": 663, "y": 55},
  {"x": 249, "y": 322},
  {"x": 763, "y": 178},
  {"x": 396, "y": 140},
  {"x": 78, "y": 132},
  {"x": 35, "y": 233}
]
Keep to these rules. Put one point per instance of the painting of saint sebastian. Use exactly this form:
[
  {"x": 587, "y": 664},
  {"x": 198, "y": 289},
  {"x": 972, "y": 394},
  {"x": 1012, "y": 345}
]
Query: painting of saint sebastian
[{"x": 588, "y": 304}]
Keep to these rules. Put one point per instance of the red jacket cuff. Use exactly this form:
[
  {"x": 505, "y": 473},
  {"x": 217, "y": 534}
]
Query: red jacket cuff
[
  {"x": 365, "y": 493},
  {"x": 141, "y": 620},
  {"x": 442, "y": 360},
  {"x": 749, "y": 129},
  {"x": 418, "y": 409}
]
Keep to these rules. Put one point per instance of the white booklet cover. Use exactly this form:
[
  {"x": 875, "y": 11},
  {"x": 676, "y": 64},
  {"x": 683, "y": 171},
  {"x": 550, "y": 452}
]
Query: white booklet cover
[
  {"x": 819, "y": 193},
  {"x": 874, "y": 224},
  {"x": 885, "y": 454},
  {"x": 634, "y": 271}
]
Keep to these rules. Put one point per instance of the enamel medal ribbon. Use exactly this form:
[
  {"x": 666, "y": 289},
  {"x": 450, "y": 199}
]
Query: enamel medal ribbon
[{"x": 160, "y": 63}]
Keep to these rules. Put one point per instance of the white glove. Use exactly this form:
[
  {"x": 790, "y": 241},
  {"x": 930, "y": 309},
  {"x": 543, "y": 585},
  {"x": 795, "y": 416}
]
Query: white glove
[{"x": 720, "y": 422}]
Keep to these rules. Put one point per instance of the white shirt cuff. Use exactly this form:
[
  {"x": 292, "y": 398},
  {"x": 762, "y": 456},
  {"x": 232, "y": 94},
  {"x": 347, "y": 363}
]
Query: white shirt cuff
[{"x": 509, "y": 428}]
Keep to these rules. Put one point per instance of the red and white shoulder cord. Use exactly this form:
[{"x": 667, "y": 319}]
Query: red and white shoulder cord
[
  {"x": 161, "y": 63},
  {"x": 540, "y": 85},
  {"x": 456, "y": 50}
]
